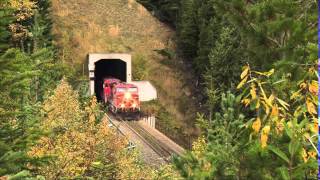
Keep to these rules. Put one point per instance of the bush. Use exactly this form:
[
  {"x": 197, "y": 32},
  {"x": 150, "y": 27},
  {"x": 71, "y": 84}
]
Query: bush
[{"x": 140, "y": 71}]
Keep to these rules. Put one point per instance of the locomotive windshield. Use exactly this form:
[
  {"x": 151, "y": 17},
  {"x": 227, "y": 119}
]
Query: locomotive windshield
[
  {"x": 121, "y": 89},
  {"x": 133, "y": 89}
]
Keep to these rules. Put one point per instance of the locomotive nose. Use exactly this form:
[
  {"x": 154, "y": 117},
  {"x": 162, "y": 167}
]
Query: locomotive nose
[{"x": 127, "y": 95}]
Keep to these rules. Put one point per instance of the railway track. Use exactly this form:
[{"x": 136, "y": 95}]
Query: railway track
[{"x": 161, "y": 149}]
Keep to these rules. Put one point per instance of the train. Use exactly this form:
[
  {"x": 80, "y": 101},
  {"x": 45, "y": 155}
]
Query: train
[{"x": 120, "y": 97}]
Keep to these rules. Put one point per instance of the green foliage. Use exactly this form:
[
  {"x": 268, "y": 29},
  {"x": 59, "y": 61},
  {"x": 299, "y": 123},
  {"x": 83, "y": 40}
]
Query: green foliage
[
  {"x": 274, "y": 31},
  {"x": 81, "y": 143},
  {"x": 50, "y": 71},
  {"x": 219, "y": 36},
  {"x": 25, "y": 24},
  {"x": 6, "y": 18},
  {"x": 224, "y": 60},
  {"x": 219, "y": 156},
  {"x": 18, "y": 115},
  {"x": 17, "y": 73},
  {"x": 25, "y": 81},
  {"x": 140, "y": 71},
  {"x": 42, "y": 24},
  {"x": 236, "y": 147},
  {"x": 167, "y": 53},
  {"x": 165, "y": 10},
  {"x": 294, "y": 148},
  {"x": 187, "y": 29},
  {"x": 209, "y": 29},
  {"x": 226, "y": 34}
]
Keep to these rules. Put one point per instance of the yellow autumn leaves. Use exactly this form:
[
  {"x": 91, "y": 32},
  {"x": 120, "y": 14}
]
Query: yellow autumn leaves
[
  {"x": 272, "y": 112},
  {"x": 310, "y": 89},
  {"x": 311, "y": 107},
  {"x": 264, "y": 134},
  {"x": 306, "y": 155},
  {"x": 256, "y": 125},
  {"x": 199, "y": 146},
  {"x": 261, "y": 102},
  {"x": 22, "y": 4},
  {"x": 244, "y": 76},
  {"x": 77, "y": 143},
  {"x": 73, "y": 141},
  {"x": 23, "y": 11}
]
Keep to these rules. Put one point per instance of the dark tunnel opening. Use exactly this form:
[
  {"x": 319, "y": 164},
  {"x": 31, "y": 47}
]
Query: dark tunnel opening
[{"x": 115, "y": 68}]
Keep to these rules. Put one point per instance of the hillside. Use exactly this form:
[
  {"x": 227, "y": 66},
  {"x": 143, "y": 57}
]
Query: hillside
[{"x": 81, "y": 27}]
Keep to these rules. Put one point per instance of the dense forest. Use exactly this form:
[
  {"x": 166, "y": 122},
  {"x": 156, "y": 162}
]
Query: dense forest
[{"x": 256, "y": 63}]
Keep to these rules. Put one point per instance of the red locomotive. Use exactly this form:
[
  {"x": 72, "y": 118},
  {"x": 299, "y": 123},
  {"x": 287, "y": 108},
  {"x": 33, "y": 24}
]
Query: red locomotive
[{"x": 121, "y": 97}]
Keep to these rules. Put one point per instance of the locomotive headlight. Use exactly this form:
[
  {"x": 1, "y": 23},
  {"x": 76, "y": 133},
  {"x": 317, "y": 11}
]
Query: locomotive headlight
[
  {"x": 127, "y": 95},
  {"x": 134, "y": 105}
]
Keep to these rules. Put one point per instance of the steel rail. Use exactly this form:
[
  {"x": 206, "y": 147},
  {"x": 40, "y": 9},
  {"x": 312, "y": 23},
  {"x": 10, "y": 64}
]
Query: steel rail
[
  {"x": 159, "y": 145},
  {"x": 162, "y": 152}
]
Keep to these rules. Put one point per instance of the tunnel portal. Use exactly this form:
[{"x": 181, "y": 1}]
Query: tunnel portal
[
  {"x": 102, "y": 65},
  {"x": 105, "y": 68}
]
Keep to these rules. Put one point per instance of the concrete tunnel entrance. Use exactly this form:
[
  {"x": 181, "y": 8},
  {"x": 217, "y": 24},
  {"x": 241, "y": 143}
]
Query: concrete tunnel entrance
[
  {"x": 107, "y": 65},
  {"x": 104, "y": 68}
]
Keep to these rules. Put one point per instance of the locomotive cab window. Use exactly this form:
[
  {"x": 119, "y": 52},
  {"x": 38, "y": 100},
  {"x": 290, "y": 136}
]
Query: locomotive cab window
[
  {"x": 121, "y": 89},
  {"x": 133, "y": 89}
]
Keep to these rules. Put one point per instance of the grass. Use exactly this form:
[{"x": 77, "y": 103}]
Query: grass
[{"x": 124, "y": 26}]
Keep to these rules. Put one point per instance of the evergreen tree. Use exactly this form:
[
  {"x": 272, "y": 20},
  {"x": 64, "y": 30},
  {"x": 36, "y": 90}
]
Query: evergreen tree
[
  {"x": 44, "y": 9},
  {"x": 41, "y": 26},
  {"x": 6, "y": 18},
  {"x": 25, "y": 78},
  {"x": 187, "y": 29},
  {"x": 165, "y": 10},
  {"x": 209, "y": 28},
  {"x": 274, "y": 31},
  {"x": 217, "y": 156},
  {"x": 20, "y": 28},
  {"x": 50, "y": 71},
  {"x": 224, "y": 60},
  {"x": 16, "y": 72},
  {"x": 18, "y": 117}
]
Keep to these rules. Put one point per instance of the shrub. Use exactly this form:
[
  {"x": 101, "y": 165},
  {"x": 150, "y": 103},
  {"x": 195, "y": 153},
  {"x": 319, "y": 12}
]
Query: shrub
[{"x": 140, "y": 71}]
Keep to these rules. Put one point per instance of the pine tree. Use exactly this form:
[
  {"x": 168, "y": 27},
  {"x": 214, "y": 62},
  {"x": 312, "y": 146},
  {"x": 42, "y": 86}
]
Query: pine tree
[
  {"x": 275, "y": 31},
  {"x": 18, "y": 117},
  {"x": 20, "y": 28},
  {"x": 16, "y": 72},
  {"x": 209, "y": 28},
  {"x": 50, "y": 71},
  {"x": 41, "y": 26},
  {"x": 37, "y": 32},
  {"x": 187, "y": 29},
  {"x": 216, "y": 154},
  {"x": 165, "y": 10},
  {"x": 24, "y": 81},
  {"x": 44, "y": 8},
  {"x": 6, "y": 18},
  {"x": 224, "y": 60}
]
